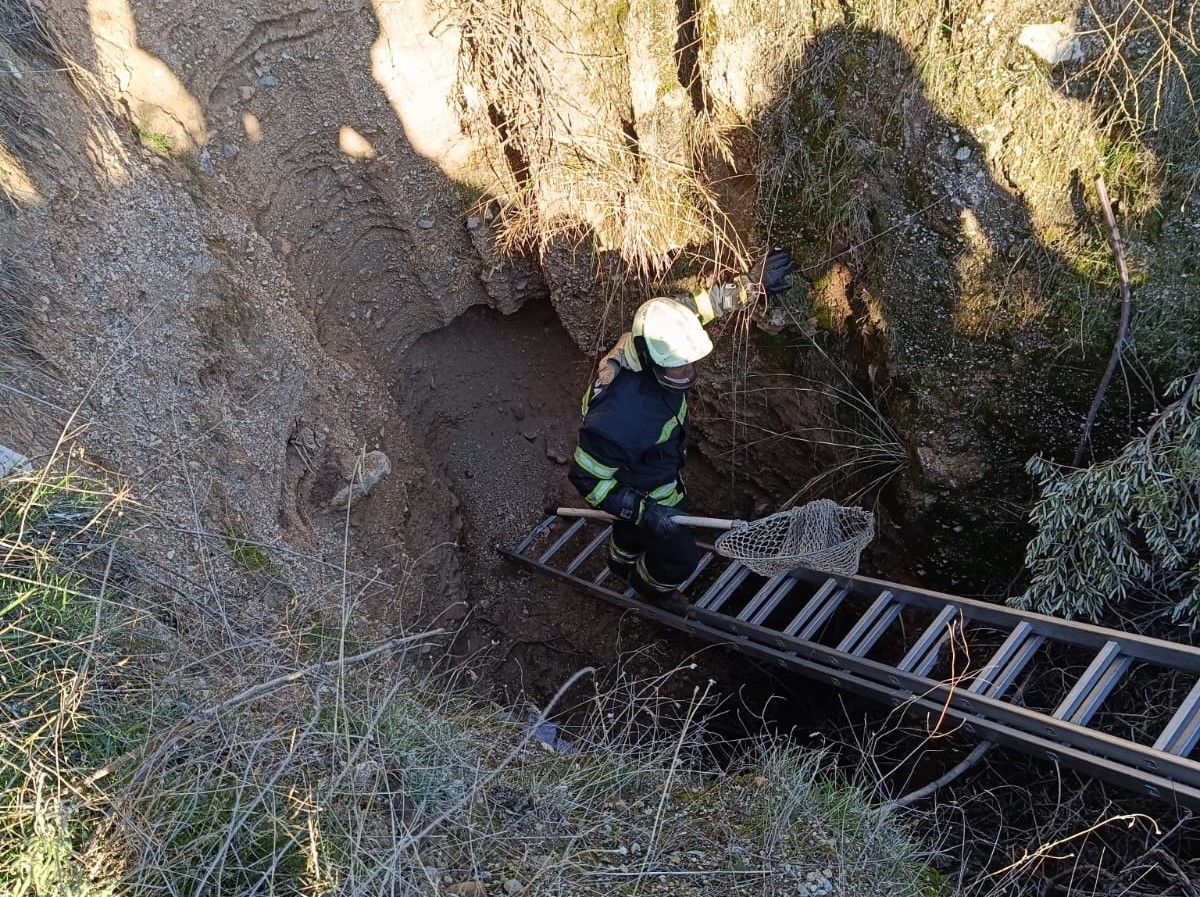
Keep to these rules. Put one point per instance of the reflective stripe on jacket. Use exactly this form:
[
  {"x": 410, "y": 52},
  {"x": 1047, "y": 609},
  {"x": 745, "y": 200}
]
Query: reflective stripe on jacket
[{"x": 634, "y": 434}]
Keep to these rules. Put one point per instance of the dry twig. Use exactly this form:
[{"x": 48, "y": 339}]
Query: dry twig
[{"x": 1114, "y": 237}]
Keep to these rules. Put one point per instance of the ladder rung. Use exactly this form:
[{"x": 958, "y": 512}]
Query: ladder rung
[
  {"x": 1096, "y": 683},
  {"x": 821, "y": 617},
  {"x": 1183, "y": 731},
  {"x": 923, "y": 654},
  {"x": 1006, "y": 664},
  {"x": 717, "y": 584},
  {"x": 782, "y": 592},
  {"x": 587, "y": 552},
  {"x": 562, "y": 540},
  {"x": 811, "y": 606},
  {"x": 881, "y": 626},
  {"x": 761, "y": 597},
  {"x": 867, "y": 623},
  {"x": 700, "y": 568},
  {"x": 534, "y": 533},
  {"x": 718, "y": 593}
]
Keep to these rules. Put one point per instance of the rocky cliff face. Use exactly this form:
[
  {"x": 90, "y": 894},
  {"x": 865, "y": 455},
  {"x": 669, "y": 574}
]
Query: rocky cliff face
[
  {"x": 933, "y": 173},
  {"x": 225, "y": 248}
]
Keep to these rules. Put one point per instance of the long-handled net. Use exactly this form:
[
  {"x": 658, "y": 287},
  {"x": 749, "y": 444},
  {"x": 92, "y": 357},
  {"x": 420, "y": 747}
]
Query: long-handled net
[{"x": 821, "y": 535}]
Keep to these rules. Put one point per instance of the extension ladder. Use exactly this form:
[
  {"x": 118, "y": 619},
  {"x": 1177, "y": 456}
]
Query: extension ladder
[{"x": 1069, "y": 692}]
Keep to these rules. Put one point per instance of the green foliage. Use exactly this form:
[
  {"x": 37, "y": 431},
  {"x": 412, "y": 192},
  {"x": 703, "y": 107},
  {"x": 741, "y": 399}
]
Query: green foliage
[
  {"x": 802, "y": 797},
  {"x": 247, "y": 554},
  {"x": 159, "y": 144},
  {"x": 47, "y": 863},
  {"x": 57, "y": 538},
  {"x": 1130, "y": 526},
  {"x": 229, "y": 832}
]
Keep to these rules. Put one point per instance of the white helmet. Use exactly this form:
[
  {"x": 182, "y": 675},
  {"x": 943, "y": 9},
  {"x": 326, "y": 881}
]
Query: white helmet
[{"x": 670, "y": 336}]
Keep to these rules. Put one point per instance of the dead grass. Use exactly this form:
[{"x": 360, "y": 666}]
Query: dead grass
[
  {"x": 577, "y": 166},
  {"x": 31, "y": 57},
  {"x": 160, "y": 739}
]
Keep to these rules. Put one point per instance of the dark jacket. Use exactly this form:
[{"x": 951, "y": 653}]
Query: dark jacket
[{"x": 634, "y": 434}]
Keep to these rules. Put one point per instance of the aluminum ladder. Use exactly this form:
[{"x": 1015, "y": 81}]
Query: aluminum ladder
[{"x": 956, "y": 659}]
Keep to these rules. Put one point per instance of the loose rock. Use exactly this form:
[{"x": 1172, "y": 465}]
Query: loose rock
[
  {"x": 468, "y": 889},
  {"x": 375, "y": 466},
  {"x": 1054, "y": 43}
]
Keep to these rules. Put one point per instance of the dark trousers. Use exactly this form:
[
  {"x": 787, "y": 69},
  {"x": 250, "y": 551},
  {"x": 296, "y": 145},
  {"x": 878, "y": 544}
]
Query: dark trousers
[{"x": 654, "y": 565}]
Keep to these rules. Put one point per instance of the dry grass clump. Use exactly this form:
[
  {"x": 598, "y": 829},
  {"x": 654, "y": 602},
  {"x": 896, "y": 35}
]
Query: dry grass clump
[
  {"x": 24, "y": 45},
  {"x": 32, "y": 126},
  {"x": 1142, "y": 76},
  {"x": 599, "y": 146},
  {"x": 159, "y": 742}
]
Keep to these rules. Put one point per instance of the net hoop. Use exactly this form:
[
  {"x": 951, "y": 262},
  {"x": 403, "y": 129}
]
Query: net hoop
[{"x": 821, "y": 535}]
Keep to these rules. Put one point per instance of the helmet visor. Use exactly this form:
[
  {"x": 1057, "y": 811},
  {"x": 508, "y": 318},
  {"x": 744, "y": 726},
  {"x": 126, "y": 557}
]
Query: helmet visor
[{"x": 676, "y": 378}]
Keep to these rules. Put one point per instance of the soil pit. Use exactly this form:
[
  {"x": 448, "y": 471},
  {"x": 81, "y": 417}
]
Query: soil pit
[{"x": 496, "y": 399}]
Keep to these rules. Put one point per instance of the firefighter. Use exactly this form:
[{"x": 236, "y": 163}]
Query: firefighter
[{"x": 633, "y": 442}]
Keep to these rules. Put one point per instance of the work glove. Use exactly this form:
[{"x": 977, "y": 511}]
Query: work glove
[
  {"x": 727, "y": 297},
  {"x": 624, "y": 503},
  {"x": 612, "y": 361},
  {"x": 770, "y": 276},
  {"x": 658, "y": 518},
  {"x": 777, "y": 268}
]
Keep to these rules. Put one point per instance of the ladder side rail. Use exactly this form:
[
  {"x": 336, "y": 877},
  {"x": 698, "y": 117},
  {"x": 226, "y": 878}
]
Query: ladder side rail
[
  {"x": 1174, "y": 655},
  {"x": 1154, "y": 783},
  {"x": 1138, "y": 756},
  {"x": 1149, "y": 783}
]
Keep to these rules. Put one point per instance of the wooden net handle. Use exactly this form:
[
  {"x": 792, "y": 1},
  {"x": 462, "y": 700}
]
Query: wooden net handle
[{"x": 705, "y": 522}]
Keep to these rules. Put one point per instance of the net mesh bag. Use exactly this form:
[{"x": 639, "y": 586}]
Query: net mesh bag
[{"x": 821, "y": 535}]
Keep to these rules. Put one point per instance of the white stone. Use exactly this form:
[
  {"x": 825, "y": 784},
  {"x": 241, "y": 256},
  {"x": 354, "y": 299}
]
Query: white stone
[
  {"x": 1054, "y": 43},
  {"x": 13, "y": 462}
]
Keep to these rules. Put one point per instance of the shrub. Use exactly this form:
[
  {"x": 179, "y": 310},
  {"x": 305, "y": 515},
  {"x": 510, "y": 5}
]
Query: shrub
[{"x": 1130, "y": 526}]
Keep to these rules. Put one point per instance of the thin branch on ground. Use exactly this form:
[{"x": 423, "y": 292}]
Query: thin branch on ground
[{"x": 1114, "y": 237}]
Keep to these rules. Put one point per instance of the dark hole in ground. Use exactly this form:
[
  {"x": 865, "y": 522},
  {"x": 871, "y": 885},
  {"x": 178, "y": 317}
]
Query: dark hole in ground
[{"x": 497, "y": 401}]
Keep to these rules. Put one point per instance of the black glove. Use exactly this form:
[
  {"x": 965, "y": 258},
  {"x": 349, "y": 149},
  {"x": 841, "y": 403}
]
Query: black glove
[
  {"x": 658, "y": 518},
  {"x": 777, "y": 267},
  {"x": 623, "y": 503}
]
